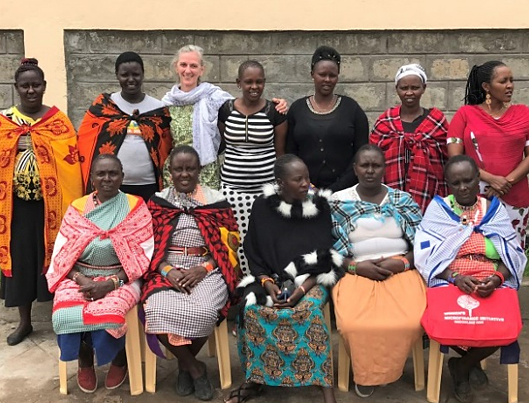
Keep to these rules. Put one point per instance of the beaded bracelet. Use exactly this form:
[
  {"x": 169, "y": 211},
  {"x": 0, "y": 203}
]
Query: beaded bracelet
[
  {"x": 166, "y": 269},
  {"x": 264, "y": 280},
  {"x": 403, "y": 260},
  {"x": 74, "y": 278},
  {"x": 452, "y": 277},
  {"x": 351, "y": 268},
  {"x": 208, "y": 266},
  {"x": 500, "y": 275}
]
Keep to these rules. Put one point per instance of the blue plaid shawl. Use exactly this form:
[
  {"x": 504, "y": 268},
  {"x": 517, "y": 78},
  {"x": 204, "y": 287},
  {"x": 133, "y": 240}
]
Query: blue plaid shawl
[{"x": 399, "y": 205}]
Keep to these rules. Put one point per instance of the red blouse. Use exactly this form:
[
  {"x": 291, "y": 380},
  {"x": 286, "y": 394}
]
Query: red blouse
[{"x": 497, "y": 145}]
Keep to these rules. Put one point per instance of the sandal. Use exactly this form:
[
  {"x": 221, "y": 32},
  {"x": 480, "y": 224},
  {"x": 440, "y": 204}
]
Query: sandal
[{"x": 250, "y": 391}]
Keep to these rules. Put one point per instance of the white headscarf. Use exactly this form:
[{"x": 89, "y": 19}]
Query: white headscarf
[{"x": 413, "y": 69}]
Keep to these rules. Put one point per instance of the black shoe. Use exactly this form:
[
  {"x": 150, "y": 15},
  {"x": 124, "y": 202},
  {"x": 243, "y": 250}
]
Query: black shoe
[
  {"x": 478, "y": 378},
  {"x": 462, "y": 390},
  {"x": 203, "y": 388},
  {"x": 184, "y": 384},
  {"x": 17, "y": 337}
]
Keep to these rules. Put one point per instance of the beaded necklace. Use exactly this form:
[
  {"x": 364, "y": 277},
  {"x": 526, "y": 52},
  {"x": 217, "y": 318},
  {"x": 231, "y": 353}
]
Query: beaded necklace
[{"x": 469, "y": 214}]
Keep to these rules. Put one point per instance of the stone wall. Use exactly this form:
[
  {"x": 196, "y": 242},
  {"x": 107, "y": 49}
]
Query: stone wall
[
  {"x": 11, "y": 51},
  {"x": 370, "y": 60}
]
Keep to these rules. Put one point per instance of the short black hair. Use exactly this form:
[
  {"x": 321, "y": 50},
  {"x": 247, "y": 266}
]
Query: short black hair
[
  {"x": 183, "y": 149},
  {"x": 457, "y": 159},
  {"x": 29, "y": 64},
  {"x": 102, "y": 157},
  {"x": 127, "y": 57},
  {"x": 282, "y": 163},
  {"x": 369, "y": 147},
  {"x": 248, "y": 64}
]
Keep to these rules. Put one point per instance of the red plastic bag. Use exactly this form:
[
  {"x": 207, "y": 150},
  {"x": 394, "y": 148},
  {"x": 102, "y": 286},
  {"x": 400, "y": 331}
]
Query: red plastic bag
[{"x": 455, "y": 318}]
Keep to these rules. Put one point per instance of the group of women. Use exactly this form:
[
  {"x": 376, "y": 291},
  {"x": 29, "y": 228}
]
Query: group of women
[{"x": 218, "y": 172}]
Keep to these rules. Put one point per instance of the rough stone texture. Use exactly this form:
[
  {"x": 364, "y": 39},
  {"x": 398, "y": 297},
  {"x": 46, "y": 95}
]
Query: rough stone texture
[
  {"x": 369, "y": 61},
  {"x": 11, "y": 51}
]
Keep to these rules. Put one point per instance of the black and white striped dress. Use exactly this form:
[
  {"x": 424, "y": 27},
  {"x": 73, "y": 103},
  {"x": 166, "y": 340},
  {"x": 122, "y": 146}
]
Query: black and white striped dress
[{"x": 249, "y": 159}]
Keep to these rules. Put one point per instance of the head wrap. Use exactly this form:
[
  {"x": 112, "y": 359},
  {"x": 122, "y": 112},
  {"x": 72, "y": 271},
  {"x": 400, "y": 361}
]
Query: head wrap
[
  {"x": 128, "y": 57},
  {"x": 325, "y": 53},
  {"x": 413, "y": 69}
]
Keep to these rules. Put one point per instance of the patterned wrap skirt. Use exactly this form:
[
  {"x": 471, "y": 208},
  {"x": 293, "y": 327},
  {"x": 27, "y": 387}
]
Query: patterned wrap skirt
[{"x": 287, "y": 347}]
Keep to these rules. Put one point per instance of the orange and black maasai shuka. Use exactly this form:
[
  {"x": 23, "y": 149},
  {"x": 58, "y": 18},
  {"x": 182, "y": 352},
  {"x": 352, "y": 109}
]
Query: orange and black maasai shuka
[
  {"x": 55, "y": 145},
  {"x": 104, "y": 128},
  {"x": 211, "y": 220}
]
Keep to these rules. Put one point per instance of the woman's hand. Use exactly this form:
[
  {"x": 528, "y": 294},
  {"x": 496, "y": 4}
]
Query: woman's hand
[
  {"x": 467, "y": 284},
  {"x": 175, "y": 278},
  {"x": 500, "y": 184},
  {"x": 292, "y": 300},
  {"x": 281, "y": 105},
  {"x": 273, "y": 290},
  {"x": 488, "y": 285},
  {"x": 94, "y": 290},
  {"x": 371, "y": 270},
  {"x": 192, "y": 276},
  {"x": 393, "y": 265}
]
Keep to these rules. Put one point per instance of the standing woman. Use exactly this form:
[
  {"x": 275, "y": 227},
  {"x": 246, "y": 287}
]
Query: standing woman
[
  {"x": 496, "y": 135},
  {"x": 194, "y": 108},
  {"x": 35, "y": 191},
  {"x": 131, "y": 125},
  {"x": 325, "y": 130},
  {"x": 413, "y": 139},
  {"x": 254, "y": 133}
]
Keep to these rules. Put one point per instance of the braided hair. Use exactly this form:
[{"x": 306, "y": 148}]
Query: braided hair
[
  {"x": 474, "y": 92},
  {"x": 29, "y": 64},
  {"x": 325, "y": 53},
  {"x": 281, "y": 166},
  {"x": 249, "y": 64}
]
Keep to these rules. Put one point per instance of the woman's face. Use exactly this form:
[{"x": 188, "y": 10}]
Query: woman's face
[
  {"x": 130, "y": 77},
  {"x": 189, "y": 69},
  {"x": 370, "y": 169},
  {"x": 252, "y": 83},
  {"x": 410, "y": 90},
  {"x": 501, "y": 86},
  {"x": 463, "y": 181},
  {"x": 30, "y": 88},
  {"x": 107, "y": 178},
  {"x": 295, "y": 183},
  {"x": 184, "y": 169},
  {"x": 325, "y": 76}
]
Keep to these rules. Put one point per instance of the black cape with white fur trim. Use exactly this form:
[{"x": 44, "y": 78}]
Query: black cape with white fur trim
[{"x": 296, "y": 237}]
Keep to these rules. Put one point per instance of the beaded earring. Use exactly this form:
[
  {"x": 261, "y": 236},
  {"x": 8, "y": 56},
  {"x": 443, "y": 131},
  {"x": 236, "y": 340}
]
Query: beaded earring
[{"x": 488, "y": 100}]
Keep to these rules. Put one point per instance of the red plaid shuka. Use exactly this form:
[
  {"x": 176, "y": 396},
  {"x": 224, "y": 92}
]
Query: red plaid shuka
[
  {"x": 426, "y": 149},
  {"x": 210, "y": 218}
]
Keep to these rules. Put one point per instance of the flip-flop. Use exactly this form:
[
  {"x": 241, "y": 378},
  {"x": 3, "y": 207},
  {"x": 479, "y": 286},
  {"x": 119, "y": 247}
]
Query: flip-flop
[{"x": 252, "y": 391}]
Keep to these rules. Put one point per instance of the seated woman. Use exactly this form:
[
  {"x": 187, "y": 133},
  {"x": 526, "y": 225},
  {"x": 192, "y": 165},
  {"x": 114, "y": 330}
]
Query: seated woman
[
  {"x": 193, "y": 272},
  {"x": 380, "y": 302},
  {"x": 471, "y": 244},
  {"x": 286, "y": 342},
  {"x": 103, "y": 247}
]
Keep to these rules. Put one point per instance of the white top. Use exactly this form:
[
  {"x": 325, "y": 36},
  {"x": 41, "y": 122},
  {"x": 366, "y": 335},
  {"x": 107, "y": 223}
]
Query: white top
[
  {"x": 375, "y": 236},
  {"x": 133, "y": 153}
]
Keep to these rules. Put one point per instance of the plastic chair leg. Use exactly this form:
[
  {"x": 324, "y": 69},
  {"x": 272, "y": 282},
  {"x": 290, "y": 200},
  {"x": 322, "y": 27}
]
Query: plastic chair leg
[
  {"x": 344, "y": 366},
  {"x": 435, "y": 369},
  {"x": 63, "y": 377},
  {"x": 133, "y": 349},
  {"x": 512, "y": 377},
  {"x": 418, "y": 365},
  {"x": 223, "y": 354}
]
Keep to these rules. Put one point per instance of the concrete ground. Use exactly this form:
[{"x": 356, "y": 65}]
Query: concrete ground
[{"x": 29, "y": 373}]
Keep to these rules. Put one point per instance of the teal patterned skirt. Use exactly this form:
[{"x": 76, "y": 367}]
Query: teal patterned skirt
[{"x": 287, "y": 347}]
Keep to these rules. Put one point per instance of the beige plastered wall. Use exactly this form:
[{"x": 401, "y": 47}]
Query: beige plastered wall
[{"x": 44, "y": 22}]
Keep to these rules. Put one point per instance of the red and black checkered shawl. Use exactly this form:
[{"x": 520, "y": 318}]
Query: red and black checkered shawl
[
  {"x": 427, "y": 150},
  {"x": 209, "y": 219}
]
